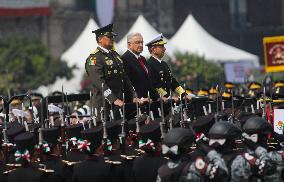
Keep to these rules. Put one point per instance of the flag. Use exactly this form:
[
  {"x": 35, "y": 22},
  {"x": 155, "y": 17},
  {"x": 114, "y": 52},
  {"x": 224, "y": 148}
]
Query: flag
[
  {"x": 278, "y": 120},
  {"x": 18, "y": 8},
  {"x": 274, "y": 53},
  {"x": 105, "y": 11}
]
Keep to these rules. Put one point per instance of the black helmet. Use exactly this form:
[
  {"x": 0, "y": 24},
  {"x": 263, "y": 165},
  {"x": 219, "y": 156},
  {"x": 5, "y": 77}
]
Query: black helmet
[
  {"x": 257, "y": 125},
  {"x": 224, "y": 130},
  {"x": 179, "y": 136}
]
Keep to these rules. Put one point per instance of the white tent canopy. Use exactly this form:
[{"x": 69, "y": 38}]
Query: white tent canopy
[
  {"x": 192, "y": 38},
  {"x": 142, "y": 26},
  {"x": 75, "y": 56}
]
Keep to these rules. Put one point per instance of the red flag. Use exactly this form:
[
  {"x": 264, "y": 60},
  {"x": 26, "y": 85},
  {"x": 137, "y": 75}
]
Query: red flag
[{"x": 18, "y": 8}]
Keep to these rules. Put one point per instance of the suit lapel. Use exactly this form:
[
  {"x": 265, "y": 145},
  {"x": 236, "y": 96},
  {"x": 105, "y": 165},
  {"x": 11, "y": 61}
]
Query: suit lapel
[{"x": 134, "y": 61}]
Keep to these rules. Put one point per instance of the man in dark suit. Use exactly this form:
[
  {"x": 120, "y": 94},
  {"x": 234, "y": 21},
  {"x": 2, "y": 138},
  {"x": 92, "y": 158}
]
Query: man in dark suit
[{"x": 137, "y": 68}]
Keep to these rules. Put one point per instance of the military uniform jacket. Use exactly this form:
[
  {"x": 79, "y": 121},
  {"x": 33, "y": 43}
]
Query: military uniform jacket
[
  {"x": 26, "y": 174},
  {"x": 162, "y": 77},
  {"x": 140, "y": 80},
  {"x": 55, "y": 163},
  {"x": 107, "y": 68},
  {"x": 145, "y": 168},
  {"x": 91, "y": 170}
]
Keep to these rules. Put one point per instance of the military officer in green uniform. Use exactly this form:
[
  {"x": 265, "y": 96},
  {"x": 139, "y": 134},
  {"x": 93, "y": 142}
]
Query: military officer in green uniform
[{"x": 105, "y": 69}]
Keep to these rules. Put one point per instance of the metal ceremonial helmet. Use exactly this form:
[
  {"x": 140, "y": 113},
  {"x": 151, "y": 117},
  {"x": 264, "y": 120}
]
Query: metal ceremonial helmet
[
  {"x": 224, "y": 130},
  {"x": 179, "y": 136},
  {"x": 257, "y": 125}
]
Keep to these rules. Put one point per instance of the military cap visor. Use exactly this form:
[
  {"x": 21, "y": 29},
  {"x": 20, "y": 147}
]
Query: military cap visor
[
  {"x": 229, "y": 85},
  {"x": 188, "y": 91},
  {"x": 202, "y": 92},
  {"x": 105, "y": 31},
  {"x": 36, "y": 96},
  {"x": 279, "y": 83},
  {"x": 16, "y": 102},
  {"x": 255, "y": 85},
  {"x": 107, "y": 34},
  {"x": 226, "y": 95},
  {"x": 157, "y": 40}
]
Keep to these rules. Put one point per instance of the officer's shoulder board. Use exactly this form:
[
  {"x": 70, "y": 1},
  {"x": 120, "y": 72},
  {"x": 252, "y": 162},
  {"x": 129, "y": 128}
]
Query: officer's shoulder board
[{"x": 95, "y": 51}]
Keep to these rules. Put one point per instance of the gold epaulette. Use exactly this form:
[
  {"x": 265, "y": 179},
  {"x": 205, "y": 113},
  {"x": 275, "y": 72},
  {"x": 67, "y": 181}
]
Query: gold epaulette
[
  {"x": 179, "y": 90},
  {"x": 69, "y": 163},
  {"x": 7, "y": 172},
  {"x": 161, "y": 91}
]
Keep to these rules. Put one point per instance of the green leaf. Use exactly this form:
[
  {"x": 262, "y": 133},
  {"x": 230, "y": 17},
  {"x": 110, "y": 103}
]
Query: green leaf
[{"x": 25, "y": 64}]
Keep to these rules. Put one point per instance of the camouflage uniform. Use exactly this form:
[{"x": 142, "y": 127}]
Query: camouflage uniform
[{"x": 215, "y": 169}]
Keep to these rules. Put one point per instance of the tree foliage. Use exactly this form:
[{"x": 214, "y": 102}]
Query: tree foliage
[
  {"x": 26, "y": 64},
  {"x": 195, "y": 71}
]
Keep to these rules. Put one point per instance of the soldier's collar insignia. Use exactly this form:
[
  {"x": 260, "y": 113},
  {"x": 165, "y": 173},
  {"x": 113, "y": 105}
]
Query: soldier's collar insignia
[
  {"x": 92, "y": 61},
  {"x": 97, "y": 50},
  {"x": 119, "y": 59}
]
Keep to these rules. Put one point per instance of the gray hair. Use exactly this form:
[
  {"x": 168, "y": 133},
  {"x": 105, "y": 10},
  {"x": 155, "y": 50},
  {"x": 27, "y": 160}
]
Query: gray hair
[{"x": 131, "y": 35}]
